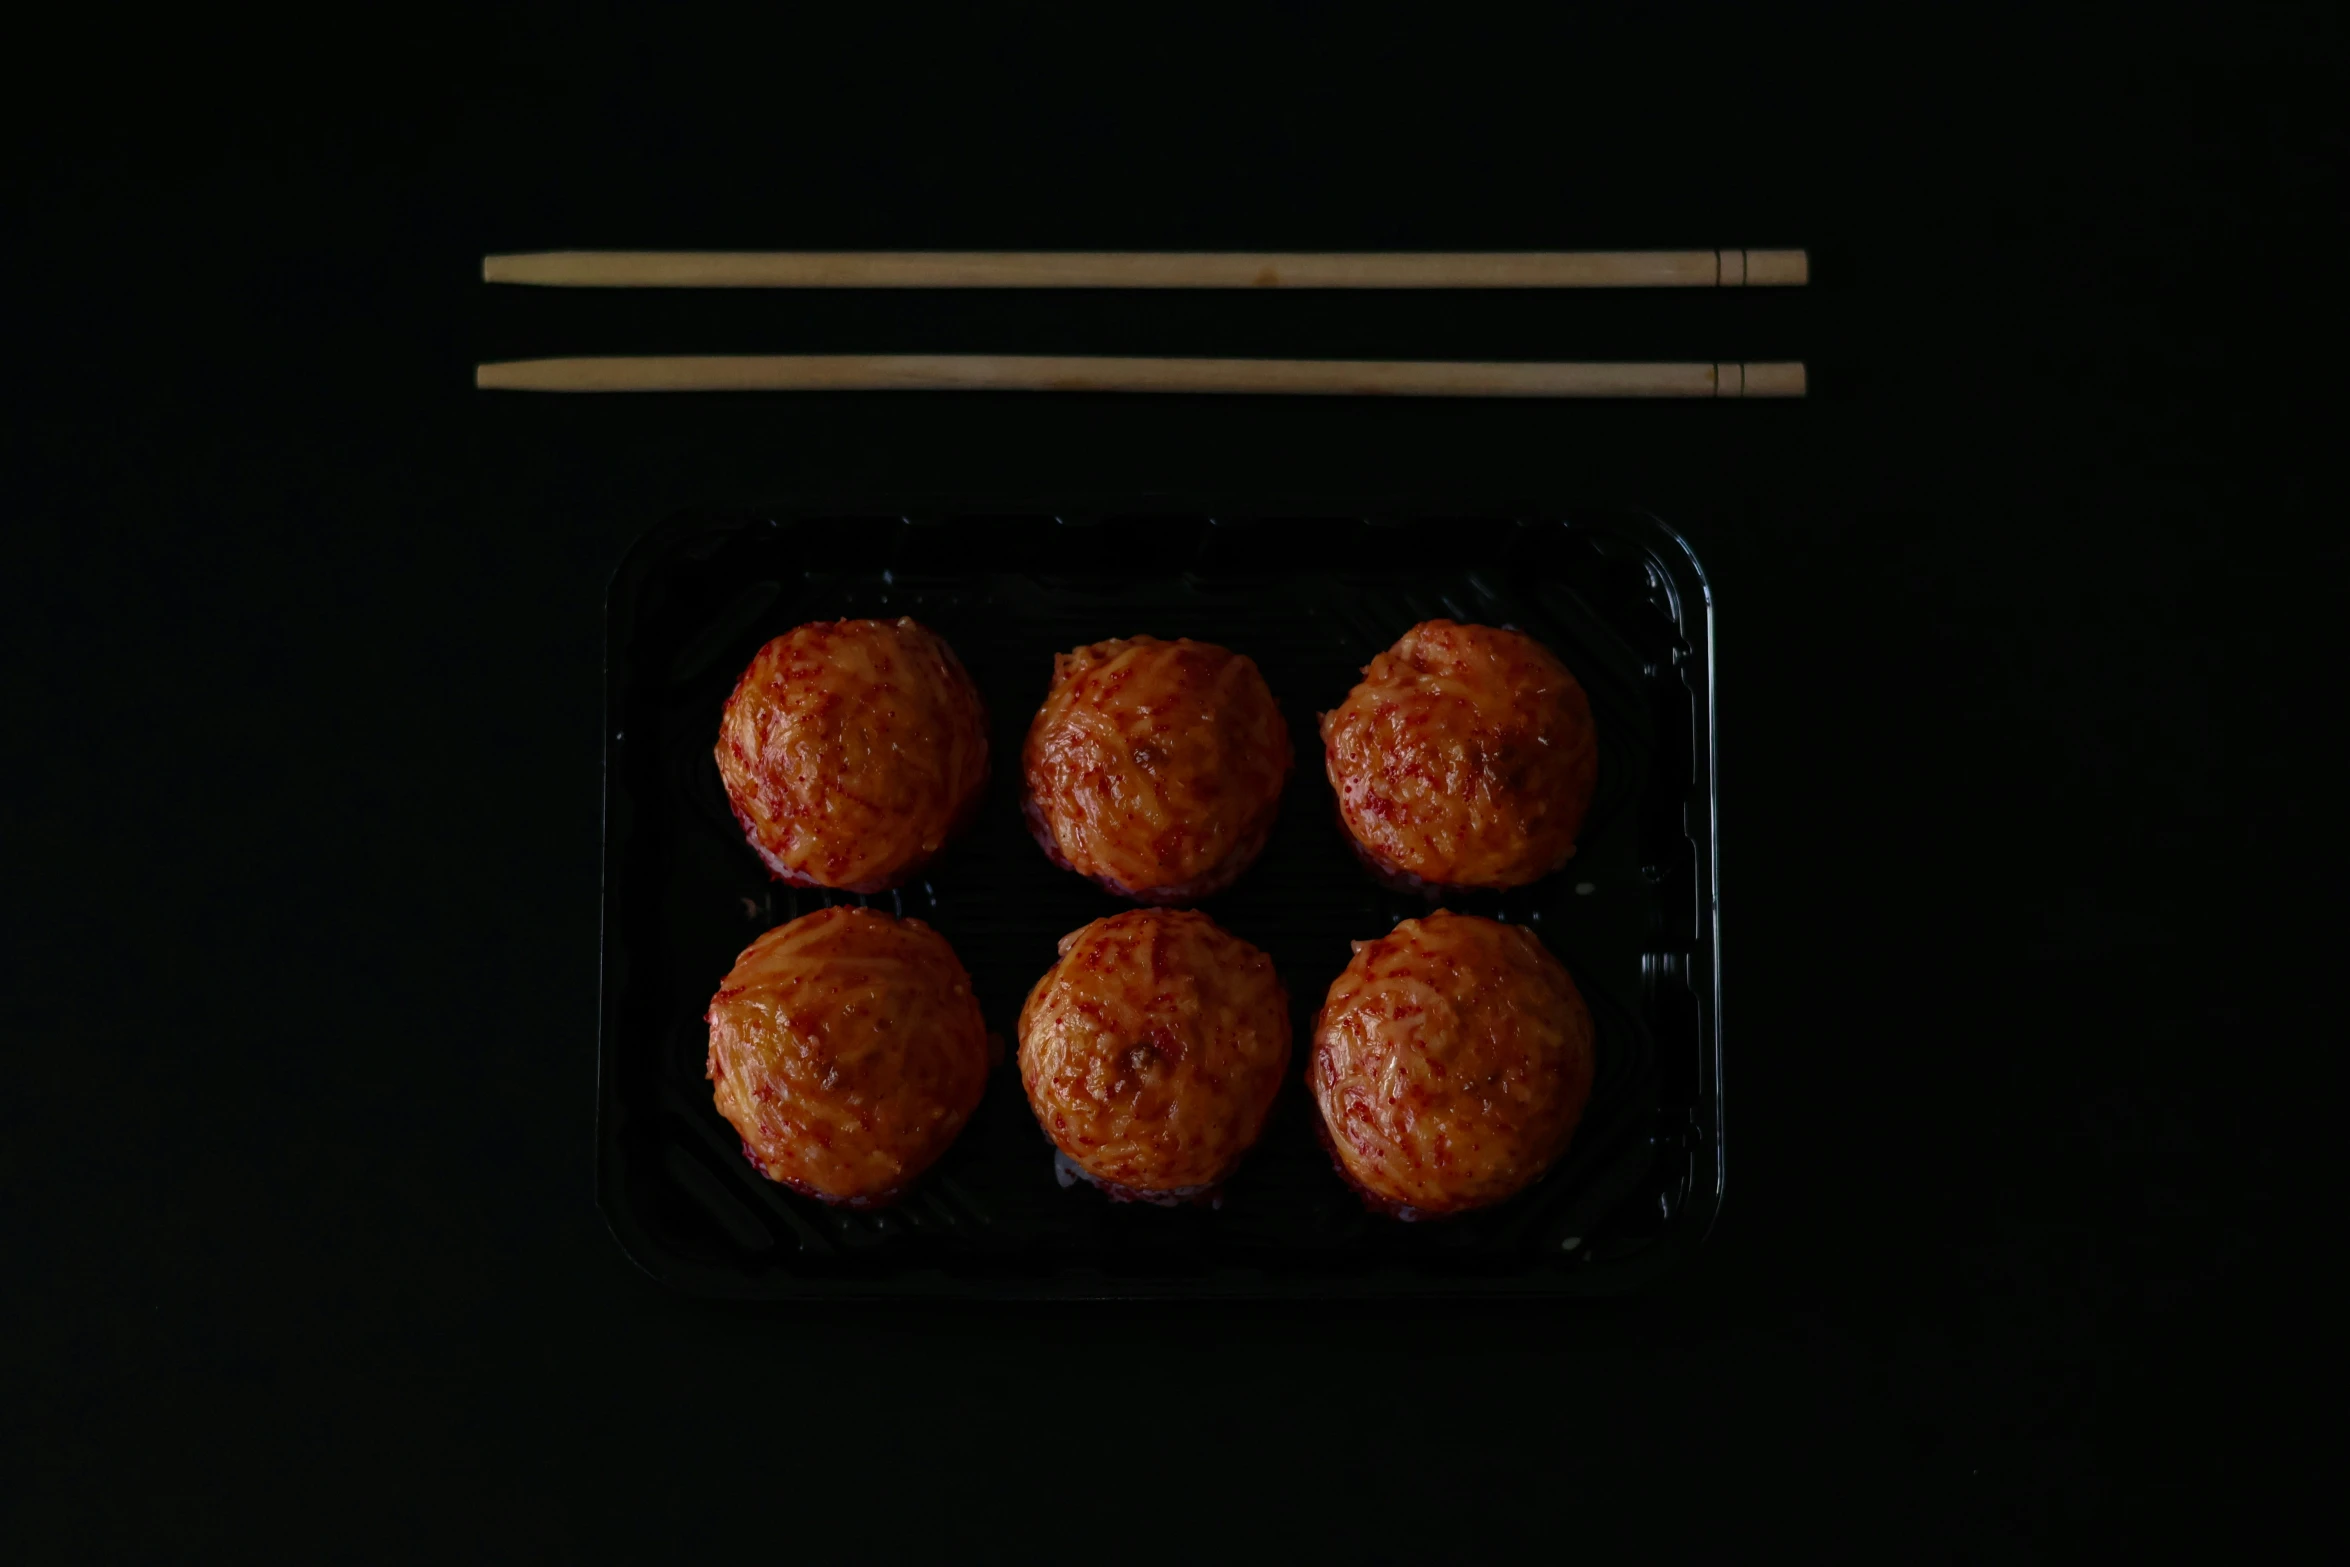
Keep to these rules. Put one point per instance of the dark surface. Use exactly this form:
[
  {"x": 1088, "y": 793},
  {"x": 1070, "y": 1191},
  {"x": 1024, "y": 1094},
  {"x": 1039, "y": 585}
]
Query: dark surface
[
  {"x": 1312, "y": 601},
  {"x": 2029, "y": 628}
]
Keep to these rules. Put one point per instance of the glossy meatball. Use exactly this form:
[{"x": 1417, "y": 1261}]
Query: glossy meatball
[
  {"x": 1466, "y": 758},
  {"x": 1450, "y": 1064},
  {"x": 852, "y": 750},
  {"x": 1155, "y": 768},
  {"x": 1153, "y": 1050},
  {"x": 847, "y": 1049}
]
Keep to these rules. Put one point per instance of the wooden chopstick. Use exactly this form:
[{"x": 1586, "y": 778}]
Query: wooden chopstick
[
  {"x": 1149, "y": 269},
  {"x": 1072, "y": 373}
]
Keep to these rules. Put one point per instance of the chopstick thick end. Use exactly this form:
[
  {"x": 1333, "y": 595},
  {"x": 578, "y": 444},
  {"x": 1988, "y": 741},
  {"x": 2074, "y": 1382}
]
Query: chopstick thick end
[
  {"x": 1784, "y": 378},
  {"x": 1778, "y": 268}
]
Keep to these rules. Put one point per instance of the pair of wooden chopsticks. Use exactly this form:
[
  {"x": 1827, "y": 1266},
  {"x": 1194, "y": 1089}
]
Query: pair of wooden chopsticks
[{"x": 1129, "y": 269}]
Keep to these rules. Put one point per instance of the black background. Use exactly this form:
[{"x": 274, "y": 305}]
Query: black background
[{"x": 2026, "y": 647}]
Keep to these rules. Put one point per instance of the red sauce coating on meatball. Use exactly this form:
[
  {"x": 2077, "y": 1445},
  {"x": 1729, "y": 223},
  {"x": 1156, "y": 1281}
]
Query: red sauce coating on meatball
[
  {"x": 1153, "y": 1050},
  {"x": 1451, "y": 1063},
  {"x": 852, "y": 751},
  {"x": 1465, "y": 758},
  {"x": 848, "y": 1051},
  {"x": 1155, "y": 768}
]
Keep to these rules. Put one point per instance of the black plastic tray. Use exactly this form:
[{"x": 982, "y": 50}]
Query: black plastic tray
[{"x": 1635, "y": 915}]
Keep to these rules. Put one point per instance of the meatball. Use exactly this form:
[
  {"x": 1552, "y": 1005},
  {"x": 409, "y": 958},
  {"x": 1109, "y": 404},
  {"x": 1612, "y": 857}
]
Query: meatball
[
  {"x": 1155, "y": 768},
  {"x": 848, "y": 1051},
  {"x": 1450, "y": 1065},
  {"x": 1152, "y": 1052},
  {"x": 852, "y": 750},
  {"x": 1466, "y": 758}
]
